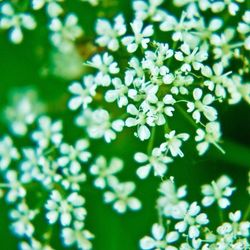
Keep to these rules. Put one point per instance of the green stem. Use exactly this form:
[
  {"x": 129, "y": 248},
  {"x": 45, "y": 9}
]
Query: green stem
[
  {"x": 231, "y": 153},
  {"x": 151, "y": 141},
  {"x": 221, "y": 217},
  {"x": 236, "y": 154},
  {"x": 247, "y": 213}
]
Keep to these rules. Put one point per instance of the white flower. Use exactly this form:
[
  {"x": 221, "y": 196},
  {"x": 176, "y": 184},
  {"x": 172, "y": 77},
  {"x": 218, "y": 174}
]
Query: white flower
[
  {"x": 120, "y": 195},
  {"x": 158, "y": 241},
  {"x": 77, "y": 235},
  {"x": 218, "y": 191},
  {"x": 15, "y": 22},
  {"x": 191, "y": 221},
  {"x": 24, "y": 109},
  {"x": 156, "y": 161},
  {"x": 105, "y": 171},
  {"x": 174, "y": 142},
  {"x": 98, "y": 124},
  {"x": 22, "y": 217},
  {"x": 16, "y": 189},
  {"x": 83, "y": 93},
  {"x": 224, "y": 50},
  {"x": 49, "y": 132},
  {"x": 106, "y": 67},
  {"x": 7, "y": 152},
  {"x": 170, "y": 23},
  {"x": 211, "y": 135},
  {"x": 217, "y": 79},
  {"x": 202, "y": 106},
  {"x": 73, "y": 156},
  {"x": 140, "y": 38},
  {"x": 171, "y": 197},
  {"x": 118, "y": 93},
  {"x": 30, "y": 164},
  {"x": 67, "y": 209},
  {"x": 244, "y": 27},
  {"x": 53, "y": 8},
  {"x": 149, "y": 9},
  {"x": 108, "y": 35},
  {"x": 191, "y": 58},
  {"x": 49, "y": 173},
  {"x": 64, "y": 33},
  {"x": 34, "y": 245},
  {"x": 140, "y": 120}
]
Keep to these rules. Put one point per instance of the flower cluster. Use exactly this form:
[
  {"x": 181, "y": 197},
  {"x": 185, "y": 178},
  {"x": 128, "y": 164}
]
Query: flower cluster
[
  {"x": 145, "y": 78},
  {"x": 187, "y": 227}
]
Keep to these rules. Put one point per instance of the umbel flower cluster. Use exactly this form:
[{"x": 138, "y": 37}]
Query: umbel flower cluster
[{"x": 165, "y": 65}]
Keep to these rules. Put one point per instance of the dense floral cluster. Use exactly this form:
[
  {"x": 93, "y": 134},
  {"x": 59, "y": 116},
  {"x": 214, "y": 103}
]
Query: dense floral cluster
[{"x": 158, "y": 67}]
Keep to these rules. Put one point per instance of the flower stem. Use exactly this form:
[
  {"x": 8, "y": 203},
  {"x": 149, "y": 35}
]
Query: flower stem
[{"x": 151, "y": 141}]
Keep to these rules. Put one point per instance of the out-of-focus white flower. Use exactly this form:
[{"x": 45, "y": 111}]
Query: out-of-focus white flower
[
  {"x": 140, "y": 37},
  {"x": 219, "y": 191},
  {"x": 22, "y": 217},
  {"x": 53, "y": 8},
  {"x": 64, "y": 33},
  {"x": 147, "y": 9},
  {"x": 202, "y": 106},
  {"x": 77, "y": 235},
  {"x": 108, "y": 35},
  {"x": 83, "y": 93},
  {"x": 211, "y": 135},
  {"x": 34, "y": 245},
  {"x": 159, "y": 240},
  {"x": 68, "y": 209},
  {"x": 16, "y": 189},
  {"x": 171, "y": 198},
  {"x": 48, "y": 132},
  {"x": 104, "y": 171},
  {"x": 191, "y": 220},
  {"x": 98, "y": 124},
  {"x": 120, "y": 196},
  {"x": 73, "y": 156},
  {"x": 14, "y": 22},
  {"x": 156, "y": 161},
  {"x": 7, "y": 152},
  {"x": 106, "y": 67},
  {"x": 23, "y": 110}
]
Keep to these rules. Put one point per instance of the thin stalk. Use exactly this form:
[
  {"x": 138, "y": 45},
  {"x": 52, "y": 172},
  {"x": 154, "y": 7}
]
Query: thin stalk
[{"x": 151, "y": 140}]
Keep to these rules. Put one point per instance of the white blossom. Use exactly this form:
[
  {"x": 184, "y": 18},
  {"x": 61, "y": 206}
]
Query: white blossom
[
  {"x": 7, "y": 152},
  {"x": 21, "y": 220},
  {"x": 106, "y": 67},
  {"x": 219, "y": 191},
  {"x": 64, "y": 33},
  {"x": 105, "y": 171},
  {"x": 108, "y": 35},
  {"x": 65, "y": 209},
  {"x": 83, "y": 93},
  {"x": 201, "y": 105},
  {"x": 15, "y": 22},
  {"x": 53, "y": 8},
  {"x": 49, "y": 132},
  {"x": 77, "y": 235},
  {"x": 156, "y": 161},
  {"x": 210, "y": 135},
  {"x": 174, "y": 142},
  {"x": 120, "y": 196},
  {"x": 140, "y": 37}
]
